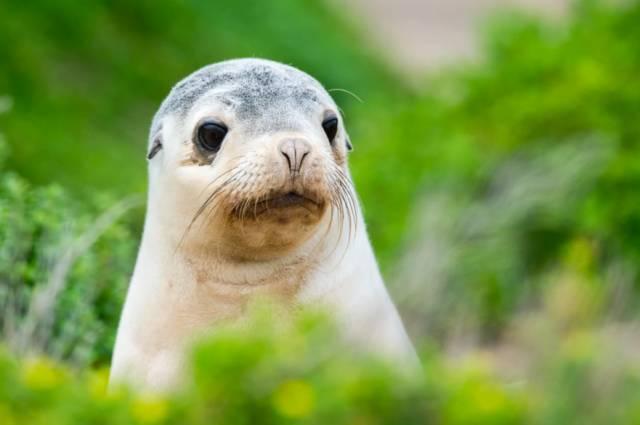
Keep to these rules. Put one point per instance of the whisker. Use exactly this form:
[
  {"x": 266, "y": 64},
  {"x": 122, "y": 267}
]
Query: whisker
[
  {"x": 351, "y": 199},
  {"x": 206, "y": 204},
  {"x": 355, "y": 96},
  {"x": 213, "y": 181}
]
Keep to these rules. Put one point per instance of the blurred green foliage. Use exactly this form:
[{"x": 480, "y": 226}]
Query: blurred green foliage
[
  {"x": 39, "y": 226},
  {"x": 539, "y": 84},
  {"x": 562, "y": 94},
  {"x": 299, "y": 373},
  {"x": 483, "y": 254}
]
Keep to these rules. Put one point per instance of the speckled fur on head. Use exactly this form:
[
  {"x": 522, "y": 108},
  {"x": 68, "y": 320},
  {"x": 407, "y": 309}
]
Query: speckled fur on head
[{"x": 268, "y": 93}]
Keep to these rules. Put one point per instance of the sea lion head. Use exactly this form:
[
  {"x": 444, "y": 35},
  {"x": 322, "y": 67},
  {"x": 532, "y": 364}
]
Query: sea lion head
[{"x": 249, "y": 156}]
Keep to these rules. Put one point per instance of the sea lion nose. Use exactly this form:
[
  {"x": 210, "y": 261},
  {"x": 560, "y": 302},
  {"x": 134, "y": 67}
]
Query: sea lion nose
[{"x": 294, "y": 151}]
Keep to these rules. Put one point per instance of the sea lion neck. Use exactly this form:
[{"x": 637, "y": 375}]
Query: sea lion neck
[{"x": 174, "y": 260}]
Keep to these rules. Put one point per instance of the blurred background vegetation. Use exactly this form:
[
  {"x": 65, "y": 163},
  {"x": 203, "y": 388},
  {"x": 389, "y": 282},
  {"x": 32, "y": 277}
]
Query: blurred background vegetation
[{"x": 517, "y": 175}]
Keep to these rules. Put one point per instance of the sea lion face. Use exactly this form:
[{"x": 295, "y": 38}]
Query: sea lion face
[{"x": 255, "y": 155}]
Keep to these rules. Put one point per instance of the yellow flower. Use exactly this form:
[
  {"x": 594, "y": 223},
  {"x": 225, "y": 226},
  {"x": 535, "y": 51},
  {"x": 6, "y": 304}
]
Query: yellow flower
[
  {"x": 580, "y": 255},
  {"x": 97, "y": 383},
  {"x": 488, "y": 400},
  {"x": 6, "y": 418},
  {"x": 42, "y": 374},
  {"x": 294, "y": 398},
  {"x": 478, "y": 397},
  {"x": 149, "y": 409}
]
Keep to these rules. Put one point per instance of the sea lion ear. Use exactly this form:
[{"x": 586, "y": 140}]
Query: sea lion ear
[
  {"x": 349, "y": 146},
  {"x": 155, "y": 147}
]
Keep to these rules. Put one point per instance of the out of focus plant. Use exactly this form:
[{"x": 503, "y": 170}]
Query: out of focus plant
[
  {"x": 272, "y": 373},
  {"x": 539, "y": 84},
  {"x": 479, "y": 254},
  {"x": 300, "y": 372},
  {"x": 64, "y": 271}
]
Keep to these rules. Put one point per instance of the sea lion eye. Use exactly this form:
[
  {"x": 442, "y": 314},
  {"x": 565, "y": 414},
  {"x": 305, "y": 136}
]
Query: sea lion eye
[
  {"x": 330, "y": 127},
  {"x": 211, "y": 135}
]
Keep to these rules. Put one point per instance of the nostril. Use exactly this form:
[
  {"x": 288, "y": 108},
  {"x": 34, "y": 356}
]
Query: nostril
[
  {"x": 302, "y": 157},
  {"x": 286, "y": 156},
  {"x": 287, "y": 149},
  {"x": 295, "y": 151}
]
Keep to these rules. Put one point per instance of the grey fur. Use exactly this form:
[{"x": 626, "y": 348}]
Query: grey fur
[{"x": 270, "y": 94}]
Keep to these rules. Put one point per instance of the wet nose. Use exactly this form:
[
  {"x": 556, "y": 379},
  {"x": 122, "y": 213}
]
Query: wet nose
[{"x": 295, "y": 151}]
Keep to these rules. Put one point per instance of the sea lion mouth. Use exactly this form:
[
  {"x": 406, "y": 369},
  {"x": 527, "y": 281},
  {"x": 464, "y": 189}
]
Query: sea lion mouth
[
  {"x": 287, "y": 200},
  {"x": 279, "y": 203}
]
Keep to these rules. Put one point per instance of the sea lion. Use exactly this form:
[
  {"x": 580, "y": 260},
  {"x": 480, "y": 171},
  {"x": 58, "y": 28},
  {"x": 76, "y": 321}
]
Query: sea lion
[{"x": 249, "y": 194}]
